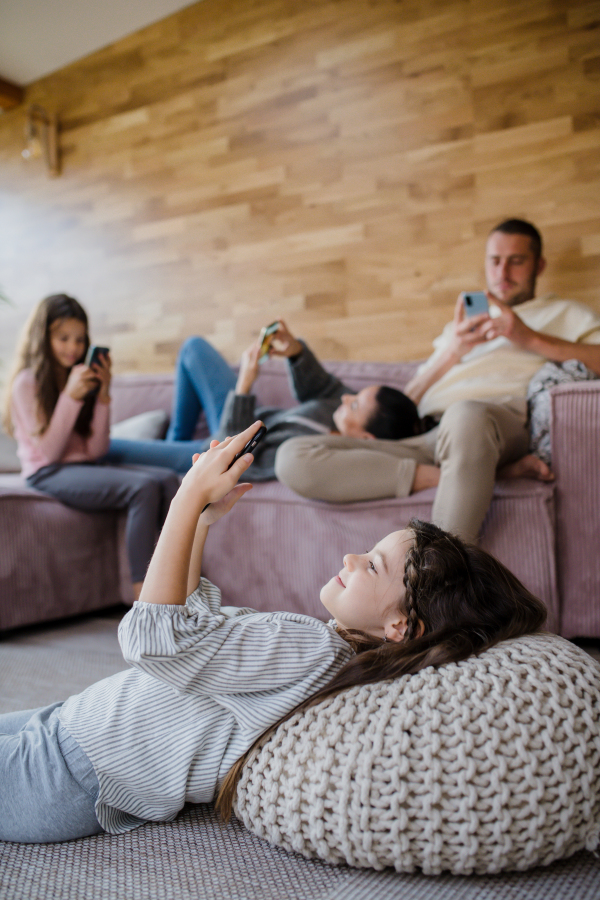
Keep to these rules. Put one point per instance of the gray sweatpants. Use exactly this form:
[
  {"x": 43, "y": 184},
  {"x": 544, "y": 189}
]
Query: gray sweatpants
[
  {"x": 472, "y": 439},
  {"x": 48, "y": 787},
  {"x": 144, "y": 491}
]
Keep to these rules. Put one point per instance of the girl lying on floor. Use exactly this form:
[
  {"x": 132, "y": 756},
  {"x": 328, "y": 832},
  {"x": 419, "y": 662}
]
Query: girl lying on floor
[{"x": 206, "y": 682}]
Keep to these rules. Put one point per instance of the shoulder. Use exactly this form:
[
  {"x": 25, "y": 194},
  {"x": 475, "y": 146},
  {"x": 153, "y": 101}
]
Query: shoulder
[
  {"x": 23, "y": 385},
  {"x": 24, "y": 378}
]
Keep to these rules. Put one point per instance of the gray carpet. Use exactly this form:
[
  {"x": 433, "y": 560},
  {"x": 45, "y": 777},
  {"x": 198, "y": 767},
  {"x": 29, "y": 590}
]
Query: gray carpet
[{"x": 196, "y": 857}]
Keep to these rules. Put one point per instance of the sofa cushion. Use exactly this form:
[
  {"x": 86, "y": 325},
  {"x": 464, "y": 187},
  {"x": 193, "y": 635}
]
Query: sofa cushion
[
  {"x": 147, "y": 426},
  {"x": 481, "y": 766}
]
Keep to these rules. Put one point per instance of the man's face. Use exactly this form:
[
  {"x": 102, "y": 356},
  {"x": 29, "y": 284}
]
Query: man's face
[{"x": 511, "y": 268}]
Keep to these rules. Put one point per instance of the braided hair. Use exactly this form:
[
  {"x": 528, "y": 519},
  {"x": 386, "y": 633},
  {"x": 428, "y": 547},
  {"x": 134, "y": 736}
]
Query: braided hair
[{"x": 458, "y": 600}]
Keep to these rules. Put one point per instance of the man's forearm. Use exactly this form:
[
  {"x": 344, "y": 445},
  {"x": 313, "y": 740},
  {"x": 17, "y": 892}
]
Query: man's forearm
[{"x": 557, "y": 350}]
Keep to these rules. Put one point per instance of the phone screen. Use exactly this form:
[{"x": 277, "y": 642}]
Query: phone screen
[{"x": 266, "y": 336}]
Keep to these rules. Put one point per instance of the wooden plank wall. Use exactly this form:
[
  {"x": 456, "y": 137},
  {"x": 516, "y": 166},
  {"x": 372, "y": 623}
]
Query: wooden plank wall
[{"x": 335, "y": 162}]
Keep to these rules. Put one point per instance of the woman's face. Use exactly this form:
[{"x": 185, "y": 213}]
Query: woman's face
[
  {"x": 67, "y": 341},
  {"x": 367, "y": 593},
  {"x": 356, "y": 411}
]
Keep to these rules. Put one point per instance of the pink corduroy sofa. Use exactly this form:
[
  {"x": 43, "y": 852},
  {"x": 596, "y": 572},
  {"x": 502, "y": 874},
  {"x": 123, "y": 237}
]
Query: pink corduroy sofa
[{"x": 276, "y": 549}]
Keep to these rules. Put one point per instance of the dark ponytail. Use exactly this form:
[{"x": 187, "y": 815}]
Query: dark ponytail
[{"x": 458, "y": 600}]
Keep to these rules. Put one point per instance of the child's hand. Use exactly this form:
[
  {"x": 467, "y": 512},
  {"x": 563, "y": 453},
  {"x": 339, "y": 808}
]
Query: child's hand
[
  {"x": 102, "y": 371},
  {"x": 217, "y": 510},
  {"x": 210, "y": 480},
  {"x": 80, "y": 382}
]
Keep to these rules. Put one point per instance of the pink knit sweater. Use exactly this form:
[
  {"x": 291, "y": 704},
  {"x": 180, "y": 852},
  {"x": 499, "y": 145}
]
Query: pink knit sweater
[{"x": 59, "y": 443}]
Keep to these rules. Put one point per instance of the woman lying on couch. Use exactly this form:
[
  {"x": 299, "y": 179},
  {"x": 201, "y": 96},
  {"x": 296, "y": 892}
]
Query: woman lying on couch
[
  {"x": 205, "y": 382},
  {"x": 206, "y": 682}
]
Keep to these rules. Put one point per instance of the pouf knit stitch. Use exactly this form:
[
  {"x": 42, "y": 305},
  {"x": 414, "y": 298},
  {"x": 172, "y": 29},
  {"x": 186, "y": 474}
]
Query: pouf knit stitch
[{"x": 481, "y": 766}]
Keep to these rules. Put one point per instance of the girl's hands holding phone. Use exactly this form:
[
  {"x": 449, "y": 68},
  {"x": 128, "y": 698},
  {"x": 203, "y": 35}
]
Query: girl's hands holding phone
[
  {"x": 215, "y": 511},
  {"x": 102, "y": 373},
  {"x": 81, "y": 381},
  {"x": 210, "y": 480}
]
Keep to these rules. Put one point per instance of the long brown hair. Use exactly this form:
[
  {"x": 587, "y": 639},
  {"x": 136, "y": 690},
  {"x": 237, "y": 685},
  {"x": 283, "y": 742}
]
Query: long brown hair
[
  {"x": 459, "y": 600},
  {"x": 35, "y": 352}
]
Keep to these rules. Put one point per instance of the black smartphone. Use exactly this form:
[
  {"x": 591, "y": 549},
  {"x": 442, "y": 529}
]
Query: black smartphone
[
  {"x": 94, "y": 353},
  {"x": 248, "y": 448},
  {"x": 475, "y": 303},
  {"x": 256, "y": 439}
]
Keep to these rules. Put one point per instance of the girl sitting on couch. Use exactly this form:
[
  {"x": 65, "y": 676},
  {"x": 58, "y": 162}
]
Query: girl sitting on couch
[
  {"x": 206, "y": 681},
  {"x": 58, "y": 408}
]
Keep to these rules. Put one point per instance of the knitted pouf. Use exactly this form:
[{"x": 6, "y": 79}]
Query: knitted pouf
[{"x": 480, "y": 766}]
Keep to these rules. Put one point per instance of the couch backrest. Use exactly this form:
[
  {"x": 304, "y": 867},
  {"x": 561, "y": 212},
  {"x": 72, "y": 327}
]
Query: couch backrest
[{"x": 133, "y": 394}]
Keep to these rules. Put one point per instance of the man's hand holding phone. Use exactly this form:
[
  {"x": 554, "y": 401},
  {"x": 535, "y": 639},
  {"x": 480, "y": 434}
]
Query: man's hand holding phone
[{"x": 468, "y": 329}]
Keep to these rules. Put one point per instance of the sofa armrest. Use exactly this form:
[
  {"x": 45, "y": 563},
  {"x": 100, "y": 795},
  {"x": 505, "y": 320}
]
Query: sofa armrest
[{"x": 575, "y": 417}]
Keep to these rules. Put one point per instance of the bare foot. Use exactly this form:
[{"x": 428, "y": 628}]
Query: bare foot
[
  {"x": 529, "y": 466},
  {"x": 425, "y": 477}
]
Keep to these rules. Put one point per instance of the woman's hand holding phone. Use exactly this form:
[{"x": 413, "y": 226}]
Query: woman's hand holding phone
[{"x": 283, "y": 342}]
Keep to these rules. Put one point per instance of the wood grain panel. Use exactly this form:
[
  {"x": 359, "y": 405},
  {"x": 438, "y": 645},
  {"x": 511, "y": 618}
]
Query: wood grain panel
[{"x": 338, "y": 163}]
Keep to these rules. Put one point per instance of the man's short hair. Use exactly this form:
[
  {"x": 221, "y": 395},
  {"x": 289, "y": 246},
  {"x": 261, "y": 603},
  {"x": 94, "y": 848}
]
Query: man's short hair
[{"x": 520, "y": 226}]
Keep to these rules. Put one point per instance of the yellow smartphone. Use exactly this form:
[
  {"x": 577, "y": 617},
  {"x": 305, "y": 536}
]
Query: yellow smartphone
[{"x": 266, "y": 336}]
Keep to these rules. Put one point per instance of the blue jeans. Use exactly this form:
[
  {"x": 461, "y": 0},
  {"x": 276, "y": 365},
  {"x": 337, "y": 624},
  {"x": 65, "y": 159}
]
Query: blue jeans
[
  {"x": 48, "y": 787},
  {"x": 202, "y": 381}
]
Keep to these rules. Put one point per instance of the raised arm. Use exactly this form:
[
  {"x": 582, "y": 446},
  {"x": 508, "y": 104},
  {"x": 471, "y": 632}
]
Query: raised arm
[
  {"x": 178, "y": 555},
  {"x": 467, "y": 332}
]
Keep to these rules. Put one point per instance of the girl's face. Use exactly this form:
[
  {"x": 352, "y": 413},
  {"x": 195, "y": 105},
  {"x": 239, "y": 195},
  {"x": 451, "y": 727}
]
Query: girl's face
[
  {"x": 367, "y": 593},
  {"x": 67, "y": 341}
]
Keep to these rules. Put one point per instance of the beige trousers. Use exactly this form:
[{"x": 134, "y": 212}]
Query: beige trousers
[{"x": 472, "y": 439}]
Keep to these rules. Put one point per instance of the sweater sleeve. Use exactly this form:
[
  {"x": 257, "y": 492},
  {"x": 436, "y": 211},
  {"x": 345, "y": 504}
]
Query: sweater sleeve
[
  {"x": 53, "y": 442},
  {"x": 310, "y": 381},
  {"x": 238, "y": 414},
  {"x": 97, "y": 443}
]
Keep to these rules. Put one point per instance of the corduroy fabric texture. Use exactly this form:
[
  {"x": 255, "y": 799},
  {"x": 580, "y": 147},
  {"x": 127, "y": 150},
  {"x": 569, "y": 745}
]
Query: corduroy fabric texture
[{"x": 486, "y": 765}]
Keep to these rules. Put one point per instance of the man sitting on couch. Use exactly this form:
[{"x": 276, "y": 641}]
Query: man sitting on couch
[{"x": 475, "y": 384}]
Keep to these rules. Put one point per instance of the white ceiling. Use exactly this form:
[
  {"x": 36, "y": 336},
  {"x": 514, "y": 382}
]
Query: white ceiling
[{"x": 40, "y": 36}]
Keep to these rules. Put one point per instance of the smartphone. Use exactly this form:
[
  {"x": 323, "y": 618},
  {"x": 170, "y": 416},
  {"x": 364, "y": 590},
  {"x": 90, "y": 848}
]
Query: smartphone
[
  {"x": 250, "y": 445},
  {"x": 266, "y": 336},
  {"x": 94, "y": 353},
  {"x": 248, "y": 448},
  {"x": 475, "y": 303}
]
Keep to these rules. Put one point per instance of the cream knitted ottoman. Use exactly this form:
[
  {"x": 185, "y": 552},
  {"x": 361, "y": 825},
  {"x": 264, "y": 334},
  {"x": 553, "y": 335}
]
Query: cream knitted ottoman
[{"x": 480, "y": 766}]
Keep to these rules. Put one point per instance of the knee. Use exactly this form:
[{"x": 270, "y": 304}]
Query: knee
[
  {"x": 296, "y": 467},
  {"x": 467, "y": 430},
  {"x": 194, "y": 348},
  {"x": 146, "y": 490}
]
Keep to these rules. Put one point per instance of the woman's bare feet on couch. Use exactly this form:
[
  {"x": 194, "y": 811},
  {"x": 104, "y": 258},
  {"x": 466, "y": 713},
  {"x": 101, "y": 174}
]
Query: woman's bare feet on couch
[{"x": 529, "y": 466}]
